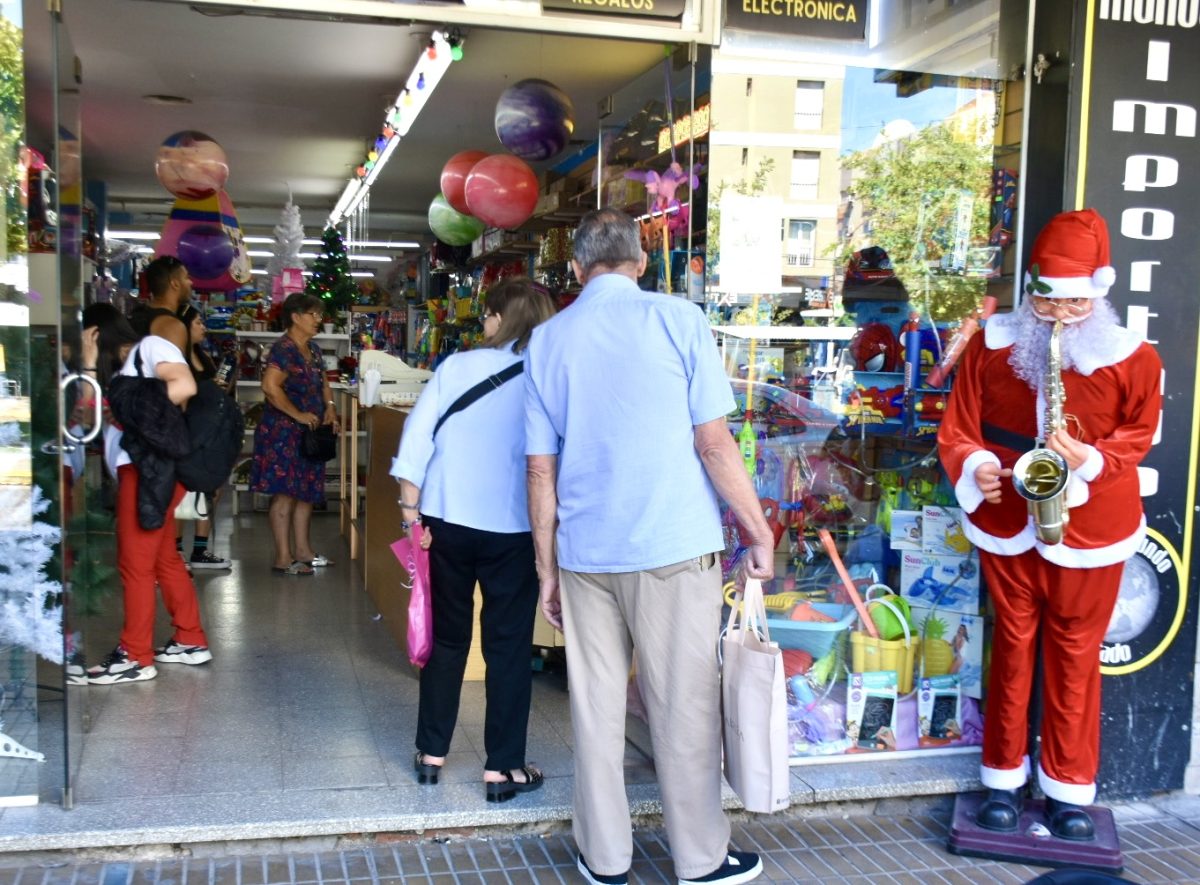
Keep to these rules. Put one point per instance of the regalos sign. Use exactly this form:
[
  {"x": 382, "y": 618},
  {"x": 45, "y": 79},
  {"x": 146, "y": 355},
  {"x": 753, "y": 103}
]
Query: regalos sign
[{"x": 1139, "y": 104}]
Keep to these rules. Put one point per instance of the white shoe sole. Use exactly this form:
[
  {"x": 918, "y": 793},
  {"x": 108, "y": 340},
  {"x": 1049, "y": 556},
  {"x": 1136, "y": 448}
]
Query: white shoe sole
[
  {"x": 143, "y": 674},
  {"x": 214, "y": 566},
  {"x": 191, "y": 658}
]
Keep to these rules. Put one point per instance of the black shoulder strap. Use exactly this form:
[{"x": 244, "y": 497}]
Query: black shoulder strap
[{"x": 483, "y": 388}]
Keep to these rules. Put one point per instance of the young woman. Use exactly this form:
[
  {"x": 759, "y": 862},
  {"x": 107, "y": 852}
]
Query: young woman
[{"x": 204, "y": 370}]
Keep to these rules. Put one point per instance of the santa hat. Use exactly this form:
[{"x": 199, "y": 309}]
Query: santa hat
[{"x": 1071, "y": 256}]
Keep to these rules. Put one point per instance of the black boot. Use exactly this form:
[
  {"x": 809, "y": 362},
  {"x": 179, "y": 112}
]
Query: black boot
[
  {"x": 1069, "y": 821},
  {"x": 1000, "y": 811}
]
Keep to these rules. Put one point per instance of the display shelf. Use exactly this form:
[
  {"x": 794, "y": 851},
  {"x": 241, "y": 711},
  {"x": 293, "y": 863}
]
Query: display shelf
[
  {"x": 789, "y": 333},
  {"x": 322, "y": 336}
]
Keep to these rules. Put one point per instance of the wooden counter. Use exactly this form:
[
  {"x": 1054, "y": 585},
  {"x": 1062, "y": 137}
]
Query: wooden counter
[{"x": 387, "y": 582}]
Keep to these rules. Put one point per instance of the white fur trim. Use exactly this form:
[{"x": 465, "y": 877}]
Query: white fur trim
[
  {"x": 1077, "y": 287},
  {"x": 1077, "y": 491},
  {"x": 1123, "y": 347},
  {"x": 1090, "y": 469},
  {"x": 966, "y": 490},
  {"x": 999, "y": 331},
  {"x": 1088, "y": 557},
  {"x": 1074, "y": 794},
  {"x": 1018, "y": 543},
  {"x": 1005, "y": 778}
]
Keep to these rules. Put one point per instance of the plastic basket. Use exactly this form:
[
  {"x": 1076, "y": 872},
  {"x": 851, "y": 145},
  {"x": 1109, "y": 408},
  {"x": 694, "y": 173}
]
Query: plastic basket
[
  {"x": 814, "y": 637},
  {"x": 868, "y": 654}
]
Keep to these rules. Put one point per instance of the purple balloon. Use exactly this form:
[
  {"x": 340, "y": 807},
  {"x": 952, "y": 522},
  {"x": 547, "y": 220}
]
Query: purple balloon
[
  {"x": 534, "y": 119},
  {"x": 205, "y": 250}
]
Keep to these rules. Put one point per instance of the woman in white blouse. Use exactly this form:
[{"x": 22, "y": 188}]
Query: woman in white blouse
[{"x": 464, "y": 480}]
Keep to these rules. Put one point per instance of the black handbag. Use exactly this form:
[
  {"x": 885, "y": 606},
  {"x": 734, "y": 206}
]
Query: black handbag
[{"x": 319, "y": 444}]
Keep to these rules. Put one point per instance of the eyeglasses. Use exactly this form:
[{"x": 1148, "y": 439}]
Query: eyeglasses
[
  {"x": 315, "y": 313},
  {"x": 1075, "y": 306}
]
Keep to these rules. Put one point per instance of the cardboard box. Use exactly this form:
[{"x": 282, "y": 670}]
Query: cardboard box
[
  {"x": 951, "y": 645},
  {"x": 906, "y": 530},
  {"x": 942, "y": 532},
  {"x": 950, "y": 582}
]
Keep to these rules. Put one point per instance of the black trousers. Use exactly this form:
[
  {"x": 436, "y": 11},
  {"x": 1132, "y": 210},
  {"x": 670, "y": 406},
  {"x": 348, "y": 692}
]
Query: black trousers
[{"x": 503, "y": 565}]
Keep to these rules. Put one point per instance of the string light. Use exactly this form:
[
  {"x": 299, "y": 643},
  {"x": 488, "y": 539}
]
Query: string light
[
  {"x": 432, "y": 51},
  {"x": 456, "y": 50},
  {"x": 421, "y": 82}
]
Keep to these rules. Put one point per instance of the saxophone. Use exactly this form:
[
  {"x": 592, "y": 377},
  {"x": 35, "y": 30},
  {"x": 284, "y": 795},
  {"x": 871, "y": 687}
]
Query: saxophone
[{"x": 1040, "y": 475}]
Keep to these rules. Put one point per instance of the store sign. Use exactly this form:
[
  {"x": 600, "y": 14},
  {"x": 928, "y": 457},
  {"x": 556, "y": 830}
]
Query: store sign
[
  {"x": 619, "y": 8},
  {"x": 749, "y": 258},
  {"x": 1140, "y": 168},
  {"x": 844, "y": 19},
  {"x": 693, "y": 125}
]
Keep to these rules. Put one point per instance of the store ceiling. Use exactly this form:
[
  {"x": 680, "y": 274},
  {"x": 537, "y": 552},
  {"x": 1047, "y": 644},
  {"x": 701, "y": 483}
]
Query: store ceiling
[{"x": 295, "y": 103}]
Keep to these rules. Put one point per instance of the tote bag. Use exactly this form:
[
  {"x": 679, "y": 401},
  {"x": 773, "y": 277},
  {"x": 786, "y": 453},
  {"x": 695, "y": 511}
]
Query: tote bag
[
  {"x": 420, "y": 612},
  {"x": 193, "y": 505},
  {"x": 754, "y": 706}
]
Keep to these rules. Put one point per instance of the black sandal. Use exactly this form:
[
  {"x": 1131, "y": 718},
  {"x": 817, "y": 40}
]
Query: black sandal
[
  {"x": 505, "y": 790},
  {"x": 426, "y": 773}
]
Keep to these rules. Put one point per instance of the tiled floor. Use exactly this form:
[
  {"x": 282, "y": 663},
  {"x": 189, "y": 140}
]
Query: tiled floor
[{"x": 300, "y": 732}]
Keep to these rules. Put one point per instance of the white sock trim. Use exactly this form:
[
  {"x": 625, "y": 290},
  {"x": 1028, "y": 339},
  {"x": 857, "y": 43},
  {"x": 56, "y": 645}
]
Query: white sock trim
[
  {"x": 1005, "y": 778},
  {"x": 1075, "y": 794}
]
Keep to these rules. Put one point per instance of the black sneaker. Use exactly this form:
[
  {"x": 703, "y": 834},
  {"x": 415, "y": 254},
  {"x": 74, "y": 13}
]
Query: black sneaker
[
  {"x": 739, "y": 866},
  {"x": 118, "y": 669},
  {"x": 175, "y": 653},
  {"x": 596, "y": 878},
  {"x": 208, "y": 559}
]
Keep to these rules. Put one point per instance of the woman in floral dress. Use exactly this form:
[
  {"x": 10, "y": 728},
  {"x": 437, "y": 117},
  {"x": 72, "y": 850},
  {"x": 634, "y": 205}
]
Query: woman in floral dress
[{"x": 298, "y": 397}]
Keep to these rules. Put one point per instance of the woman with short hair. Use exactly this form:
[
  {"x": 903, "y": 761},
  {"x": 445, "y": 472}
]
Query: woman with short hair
[
  {"x": 298, "y": 398},
  {"x": 464, "y": 480}
]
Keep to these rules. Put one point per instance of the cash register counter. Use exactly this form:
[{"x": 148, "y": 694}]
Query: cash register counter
[{"x": 371, "y": 530}]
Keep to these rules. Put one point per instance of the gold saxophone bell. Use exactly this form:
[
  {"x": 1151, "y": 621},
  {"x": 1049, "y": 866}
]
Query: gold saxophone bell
[{"x": 1040, "y": 477}]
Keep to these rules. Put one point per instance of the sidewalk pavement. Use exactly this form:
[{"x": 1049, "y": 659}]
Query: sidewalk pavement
[{"x": 884, "y": 842}]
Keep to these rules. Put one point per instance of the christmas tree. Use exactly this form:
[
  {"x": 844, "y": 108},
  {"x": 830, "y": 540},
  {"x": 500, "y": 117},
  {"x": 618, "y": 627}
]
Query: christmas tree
[
  {"x": 331, "y": 280},
  {"x": 289, "y": 237}
]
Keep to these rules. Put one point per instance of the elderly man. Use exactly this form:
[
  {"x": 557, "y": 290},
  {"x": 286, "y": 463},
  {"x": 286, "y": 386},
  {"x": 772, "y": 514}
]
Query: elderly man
[
  {"x": 628, "y": 449},
  {"x": 1063, "y": 581}
]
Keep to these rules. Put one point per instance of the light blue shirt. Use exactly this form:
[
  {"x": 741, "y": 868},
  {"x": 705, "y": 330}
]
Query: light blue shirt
[
  {"x": 473, "y": 474},
  {"x": 614, "y": 386}
]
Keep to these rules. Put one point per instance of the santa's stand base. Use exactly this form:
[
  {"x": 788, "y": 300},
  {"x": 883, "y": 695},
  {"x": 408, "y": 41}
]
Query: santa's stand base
[{"x": 1031, "y": 842}]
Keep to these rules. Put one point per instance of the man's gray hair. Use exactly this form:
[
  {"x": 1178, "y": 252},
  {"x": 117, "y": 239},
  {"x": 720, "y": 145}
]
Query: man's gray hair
[{"x": 607, "y": 237}]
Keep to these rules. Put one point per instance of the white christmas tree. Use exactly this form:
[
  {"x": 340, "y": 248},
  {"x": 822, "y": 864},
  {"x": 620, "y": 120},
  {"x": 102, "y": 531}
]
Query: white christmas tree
[
  {"x": 30, "y": 603},
  {"x": 289, "y": 238}
]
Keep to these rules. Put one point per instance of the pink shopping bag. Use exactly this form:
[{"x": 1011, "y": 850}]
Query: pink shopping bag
[{"x": 420, "y": 611}]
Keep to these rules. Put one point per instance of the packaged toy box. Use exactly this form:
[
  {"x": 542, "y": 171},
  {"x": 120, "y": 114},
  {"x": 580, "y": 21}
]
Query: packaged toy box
[
  {"x": 951, "y": 644},
  {"x": 949, "y": 582}
]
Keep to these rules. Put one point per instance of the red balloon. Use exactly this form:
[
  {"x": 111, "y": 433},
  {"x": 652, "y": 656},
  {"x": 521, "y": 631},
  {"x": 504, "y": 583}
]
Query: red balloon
[
  {"x": 454, "y": 177},
  {"x": 502, "y": 191}
]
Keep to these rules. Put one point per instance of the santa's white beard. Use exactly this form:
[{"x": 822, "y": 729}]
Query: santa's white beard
[{"x": 1089, "y": 337}]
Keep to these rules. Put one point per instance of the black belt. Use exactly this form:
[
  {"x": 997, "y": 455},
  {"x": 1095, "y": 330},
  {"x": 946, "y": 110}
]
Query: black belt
[{"x": 1018, "y": 442}]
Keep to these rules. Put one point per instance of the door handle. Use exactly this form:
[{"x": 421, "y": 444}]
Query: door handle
[{"x": 96, "y": 405}]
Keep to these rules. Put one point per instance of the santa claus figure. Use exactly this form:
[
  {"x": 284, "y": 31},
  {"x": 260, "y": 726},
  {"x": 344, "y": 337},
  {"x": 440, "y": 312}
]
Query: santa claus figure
[{"x": 1066, "y": 587}]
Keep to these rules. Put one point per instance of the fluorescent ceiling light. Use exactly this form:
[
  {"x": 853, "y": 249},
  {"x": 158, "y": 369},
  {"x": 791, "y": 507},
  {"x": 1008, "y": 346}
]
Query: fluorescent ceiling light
[
  {"x": 131, "y": 235},
  {"x": 426, "y": 74}
]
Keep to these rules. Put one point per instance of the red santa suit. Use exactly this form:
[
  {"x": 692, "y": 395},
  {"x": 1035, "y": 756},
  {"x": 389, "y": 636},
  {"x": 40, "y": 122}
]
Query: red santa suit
[{"x": 1112, "y": 405}]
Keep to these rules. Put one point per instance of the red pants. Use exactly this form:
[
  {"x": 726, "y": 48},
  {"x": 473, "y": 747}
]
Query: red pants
[
  {"x": 149, "y": 558},
  {"x": 1073, "y": 608}
]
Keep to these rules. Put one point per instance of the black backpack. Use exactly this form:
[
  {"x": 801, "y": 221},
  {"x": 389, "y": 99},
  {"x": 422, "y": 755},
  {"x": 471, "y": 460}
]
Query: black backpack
[{"x": 216, "y": 428}]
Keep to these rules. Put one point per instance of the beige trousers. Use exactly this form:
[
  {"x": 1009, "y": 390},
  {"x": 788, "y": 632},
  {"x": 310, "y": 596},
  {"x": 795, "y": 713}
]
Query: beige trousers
[{"x": 672, "y": 616}]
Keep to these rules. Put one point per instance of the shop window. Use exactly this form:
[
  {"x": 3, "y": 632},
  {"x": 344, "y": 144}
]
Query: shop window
[
  {"x": 806, "y": 172},
  {"x": 810, "y": 103},
  {"x": 801, "y": 243}
]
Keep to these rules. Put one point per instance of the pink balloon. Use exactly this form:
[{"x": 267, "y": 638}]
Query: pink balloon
[
  {"x": 454, "y": 178},
  {"x": 502, "y": 191}
]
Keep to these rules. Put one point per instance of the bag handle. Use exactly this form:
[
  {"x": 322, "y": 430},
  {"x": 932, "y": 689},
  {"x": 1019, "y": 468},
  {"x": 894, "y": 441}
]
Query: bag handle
[{"x": 754, "y": 612}]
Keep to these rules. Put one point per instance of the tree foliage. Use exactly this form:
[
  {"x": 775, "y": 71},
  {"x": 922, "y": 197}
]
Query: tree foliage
[
  {"x": 910, "y": 193},
  {"x": 331, "y": 280}
]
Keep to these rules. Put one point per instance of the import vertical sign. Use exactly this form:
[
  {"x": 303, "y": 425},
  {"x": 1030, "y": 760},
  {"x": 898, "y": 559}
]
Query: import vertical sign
[{"x": 1138, "y": 164}]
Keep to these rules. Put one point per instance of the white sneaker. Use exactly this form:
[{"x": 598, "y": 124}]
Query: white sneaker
[
  {"x": 118, "y": 669},
  {"x": 175, "y": 653},
  {"x": 207, "y": 559},
  {"x": 739, "y": 867}
]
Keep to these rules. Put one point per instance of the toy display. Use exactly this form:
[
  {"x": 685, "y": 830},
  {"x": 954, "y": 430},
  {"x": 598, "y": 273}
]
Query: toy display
[
  {"x": 451, "y": 226},
  {"x": 191, "y": 165},
  {"x": 534, "y": 119},
  {"x": 502, "y": 191}
]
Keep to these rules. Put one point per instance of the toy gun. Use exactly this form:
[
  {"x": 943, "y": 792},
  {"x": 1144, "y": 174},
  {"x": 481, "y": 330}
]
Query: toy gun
[{"x": 969, "y": 326}]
